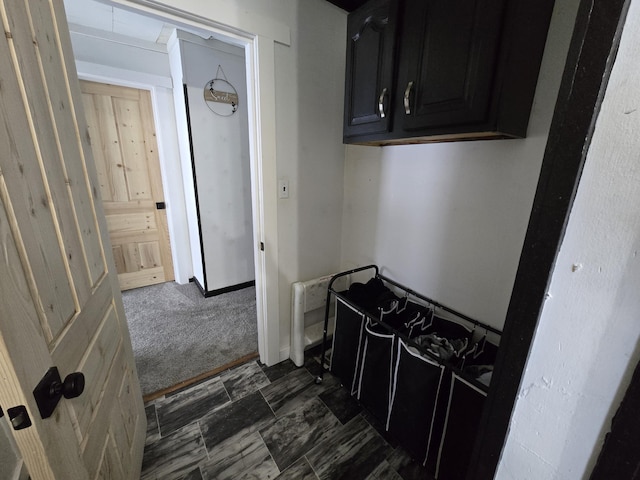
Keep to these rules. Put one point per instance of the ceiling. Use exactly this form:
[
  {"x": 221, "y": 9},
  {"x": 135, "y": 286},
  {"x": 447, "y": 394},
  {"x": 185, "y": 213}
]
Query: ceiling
[{"x": 96, "y": 17}]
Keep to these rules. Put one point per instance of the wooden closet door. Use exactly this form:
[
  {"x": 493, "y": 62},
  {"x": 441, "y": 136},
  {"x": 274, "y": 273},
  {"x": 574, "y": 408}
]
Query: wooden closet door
[
  {"x": 123, "y": 141},
  {"x": 61, "y": 304}
]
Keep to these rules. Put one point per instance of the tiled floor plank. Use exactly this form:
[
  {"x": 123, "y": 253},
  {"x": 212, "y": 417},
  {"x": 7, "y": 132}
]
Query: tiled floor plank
[
  {"x": 294, "y": 434},
  {"x": 384, "y": 471},
  {"x": 278, "y": 370},
  {"x": 300, "y": 470},
  {"x": 174, "y": 456},
  {"x": 251, "y": 412},
  {"x": 244, "y": 380},
  {"x": 176, "y": 411},
  {"x": 153, "y": 432},
  {"x": 341, "y": 403},
  {"x": 291, "y": 391},
  {"x": 352, "y": 454},
  {"x": 239, "y": 455},
  {"x": 194, "y": 474}
]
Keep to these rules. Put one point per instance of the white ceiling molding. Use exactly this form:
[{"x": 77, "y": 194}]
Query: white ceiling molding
[{"x": 117, "y": 38}]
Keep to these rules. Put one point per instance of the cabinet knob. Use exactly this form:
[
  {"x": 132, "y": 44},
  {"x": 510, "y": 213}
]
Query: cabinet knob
[
  {"x": 407, "y": 92},
  {"x": 381, "y": 103}
]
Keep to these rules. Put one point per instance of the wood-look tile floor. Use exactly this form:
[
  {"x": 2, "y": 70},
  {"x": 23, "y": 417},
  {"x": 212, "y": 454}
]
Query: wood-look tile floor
[{"x": 257, "y": 422}]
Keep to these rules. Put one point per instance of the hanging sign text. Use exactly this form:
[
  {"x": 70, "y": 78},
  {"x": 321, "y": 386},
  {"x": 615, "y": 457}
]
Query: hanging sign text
[{"x": 218, "y": 96}]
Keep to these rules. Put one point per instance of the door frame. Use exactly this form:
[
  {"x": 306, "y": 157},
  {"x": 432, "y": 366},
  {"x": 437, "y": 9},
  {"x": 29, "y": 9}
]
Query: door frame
[
  {"x": 258, "y": 42},
  {"x": 173, "y": 192}
]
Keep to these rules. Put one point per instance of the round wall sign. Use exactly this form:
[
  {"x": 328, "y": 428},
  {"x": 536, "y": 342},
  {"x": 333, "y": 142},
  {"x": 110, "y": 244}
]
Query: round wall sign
[{"x": 221, "y": 97}]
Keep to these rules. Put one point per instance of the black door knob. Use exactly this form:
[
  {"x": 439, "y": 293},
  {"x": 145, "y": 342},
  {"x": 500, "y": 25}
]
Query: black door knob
[
  {"x": 51, "y": 389},
  {"x": 72, "y": 387}
]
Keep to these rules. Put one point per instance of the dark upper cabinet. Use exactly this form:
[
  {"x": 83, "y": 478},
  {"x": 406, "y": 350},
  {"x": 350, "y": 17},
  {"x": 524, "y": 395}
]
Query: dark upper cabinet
[
  {"x": 440, "y": 70},
  {"x": 447, "y": 60},
  {"x": 369, "y": 71}
]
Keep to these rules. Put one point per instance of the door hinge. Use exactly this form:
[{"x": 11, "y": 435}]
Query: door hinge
[{"x": 19, "y": 417}]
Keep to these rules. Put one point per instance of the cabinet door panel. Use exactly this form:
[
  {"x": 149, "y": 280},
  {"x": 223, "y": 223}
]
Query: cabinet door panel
[
  {"x": 449, "y": 53},
  {"x": 369, "y": 68}
]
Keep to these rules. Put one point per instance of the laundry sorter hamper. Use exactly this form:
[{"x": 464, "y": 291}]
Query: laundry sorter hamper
[
  {"x": 414, "y": 364},
  {"x": 465, "y": 400}
]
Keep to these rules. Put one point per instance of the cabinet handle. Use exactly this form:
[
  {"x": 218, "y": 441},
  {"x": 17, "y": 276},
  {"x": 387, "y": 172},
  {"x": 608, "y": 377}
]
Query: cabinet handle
[
  {"x": 381, "y": 103},
  {"x": 407, "y": 92}
]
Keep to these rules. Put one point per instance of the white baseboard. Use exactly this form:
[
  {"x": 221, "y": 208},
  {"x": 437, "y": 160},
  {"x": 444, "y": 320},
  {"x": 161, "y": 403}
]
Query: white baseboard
[{"x": 284, "y": 353}]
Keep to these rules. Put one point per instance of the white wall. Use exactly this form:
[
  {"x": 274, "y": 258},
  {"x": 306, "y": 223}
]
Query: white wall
[
  {"x": 449, "y": 219},
  {"x": 221, "y": 157},
  {"x": 310, "y": 90},
  {"x": 586, "y": 345}
]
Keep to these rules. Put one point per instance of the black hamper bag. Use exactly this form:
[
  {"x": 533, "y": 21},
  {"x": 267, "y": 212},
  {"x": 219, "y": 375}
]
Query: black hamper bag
[
  {"x": 347, "y": 338},
  {"x": 452, "y": 331},
  {"x": 376, "y": 370},
  {"x": 416, "y": 384},
  {"x": 463, "y": 417}
]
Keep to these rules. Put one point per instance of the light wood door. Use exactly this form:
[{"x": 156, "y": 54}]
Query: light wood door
[
  {"x": 123, "y": 140},
  {"x": 61, "y": 304}
]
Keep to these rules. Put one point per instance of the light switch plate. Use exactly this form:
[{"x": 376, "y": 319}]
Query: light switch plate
[{"x": 283, "y": 188}]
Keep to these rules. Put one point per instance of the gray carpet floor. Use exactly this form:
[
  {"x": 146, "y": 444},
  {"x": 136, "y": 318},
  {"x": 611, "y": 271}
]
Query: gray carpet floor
[{"x": 177, "y": 334}]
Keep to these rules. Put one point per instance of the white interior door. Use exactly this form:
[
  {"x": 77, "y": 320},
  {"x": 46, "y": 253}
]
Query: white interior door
[{"x": 60, "y": 298}]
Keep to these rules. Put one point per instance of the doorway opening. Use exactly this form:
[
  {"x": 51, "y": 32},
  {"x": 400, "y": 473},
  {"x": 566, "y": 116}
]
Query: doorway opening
[{"x": 268, "y": 338}]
